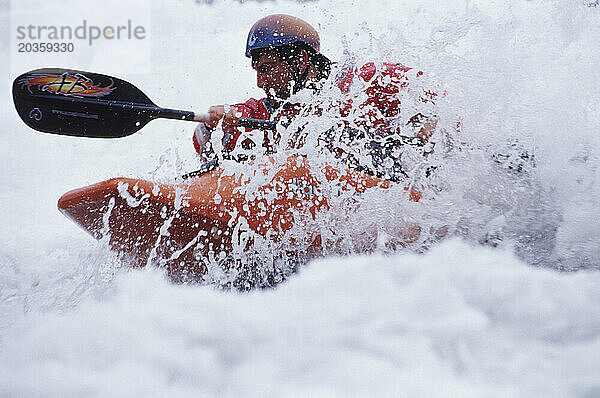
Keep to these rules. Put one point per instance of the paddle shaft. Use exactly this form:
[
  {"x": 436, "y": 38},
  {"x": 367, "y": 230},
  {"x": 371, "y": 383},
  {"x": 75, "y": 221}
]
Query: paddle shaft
[{"x": 167, "y": 113}]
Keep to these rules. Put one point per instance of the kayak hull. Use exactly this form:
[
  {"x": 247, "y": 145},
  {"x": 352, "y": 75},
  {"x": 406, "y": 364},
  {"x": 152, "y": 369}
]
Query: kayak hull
[
  {"x": 215, "y": 218},
  {"x": 146, "y": 229}
]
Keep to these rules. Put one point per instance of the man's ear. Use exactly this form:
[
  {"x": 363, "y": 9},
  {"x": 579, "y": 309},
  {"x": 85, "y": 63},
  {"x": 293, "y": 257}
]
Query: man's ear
[{"x": 303, "y": 58}]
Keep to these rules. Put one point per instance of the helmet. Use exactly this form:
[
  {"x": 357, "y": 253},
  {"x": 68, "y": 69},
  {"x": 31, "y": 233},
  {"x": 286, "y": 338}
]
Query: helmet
[{"x": 280, "y": 30}]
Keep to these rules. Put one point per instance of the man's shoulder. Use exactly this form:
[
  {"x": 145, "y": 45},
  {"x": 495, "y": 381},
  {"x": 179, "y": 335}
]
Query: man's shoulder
[
  {"x": 368, "y": 70},
  {"x": 254, "y": 103}
]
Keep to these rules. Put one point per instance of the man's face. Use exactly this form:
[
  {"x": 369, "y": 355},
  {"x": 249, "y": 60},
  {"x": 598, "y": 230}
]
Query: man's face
[{"x": 273, "y": 75}]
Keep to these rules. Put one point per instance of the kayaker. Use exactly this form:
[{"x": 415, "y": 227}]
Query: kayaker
[{"x": 285, "y": 53}]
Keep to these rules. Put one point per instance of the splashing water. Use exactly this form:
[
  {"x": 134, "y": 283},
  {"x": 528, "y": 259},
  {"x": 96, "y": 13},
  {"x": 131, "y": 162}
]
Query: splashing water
[
  {"x": 499, "y": 179},
  {"x": 520, "y": 175},
  {"x": 520, "y": 172}
]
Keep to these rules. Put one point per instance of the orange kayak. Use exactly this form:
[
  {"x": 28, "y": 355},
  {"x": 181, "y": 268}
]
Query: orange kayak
[{"x": 209, "y": 218}]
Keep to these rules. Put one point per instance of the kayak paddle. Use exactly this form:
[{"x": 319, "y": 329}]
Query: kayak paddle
[{"x": 85, "y": 104}]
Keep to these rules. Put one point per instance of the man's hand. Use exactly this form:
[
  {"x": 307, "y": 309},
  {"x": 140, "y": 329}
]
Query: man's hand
[
  {"x": 427, "y": 125},
  {"x": 231, "y": 118}
]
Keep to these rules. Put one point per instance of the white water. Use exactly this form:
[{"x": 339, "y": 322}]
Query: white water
[{"x": 459, "y": 320}]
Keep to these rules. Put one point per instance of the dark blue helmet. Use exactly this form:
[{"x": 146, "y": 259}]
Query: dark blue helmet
[{"x": 281, "y": 30}]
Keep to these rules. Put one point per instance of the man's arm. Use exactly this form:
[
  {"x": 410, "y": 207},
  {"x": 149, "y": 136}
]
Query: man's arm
[
  {"x": 230, "y": 115},
  {"x": 203, "y": 131},
  {"x": 427, "y": 125}
]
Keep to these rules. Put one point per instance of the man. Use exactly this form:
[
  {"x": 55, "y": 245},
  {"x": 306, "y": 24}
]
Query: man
[{"x": 285, "y": 53}]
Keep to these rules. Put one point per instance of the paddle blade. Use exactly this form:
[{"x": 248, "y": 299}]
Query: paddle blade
[{"x": 82, "y": 104}]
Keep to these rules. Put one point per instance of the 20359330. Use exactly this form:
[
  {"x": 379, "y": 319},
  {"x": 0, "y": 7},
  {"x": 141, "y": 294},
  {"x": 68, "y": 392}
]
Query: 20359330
[{"x": 46, "y": 47}]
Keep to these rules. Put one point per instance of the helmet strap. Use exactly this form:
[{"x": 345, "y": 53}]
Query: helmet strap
[{"x": 300, "y": 78}]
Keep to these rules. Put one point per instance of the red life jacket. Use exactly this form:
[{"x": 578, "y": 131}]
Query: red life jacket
[{"x": 381, "y": 87}]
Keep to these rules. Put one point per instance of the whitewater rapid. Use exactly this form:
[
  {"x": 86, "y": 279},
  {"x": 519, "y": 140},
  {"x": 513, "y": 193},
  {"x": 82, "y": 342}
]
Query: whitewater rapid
[
  {"x": 506, "y": 318},
  {"x": 458, "y": 321}
]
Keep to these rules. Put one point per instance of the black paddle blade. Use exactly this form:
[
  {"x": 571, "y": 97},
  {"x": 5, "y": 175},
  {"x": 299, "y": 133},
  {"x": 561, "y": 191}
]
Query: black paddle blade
[{"x": 82, "y": 104}]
